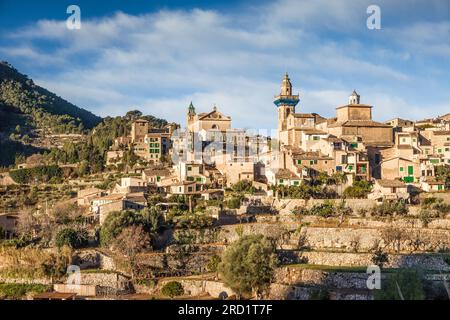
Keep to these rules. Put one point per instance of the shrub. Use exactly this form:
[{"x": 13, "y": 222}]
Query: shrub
[
  {"x": 195, "y": 221},
  {"x": 71, "y": 238},
  {"x": 40, "y": 173},
  {"x": 427, "y": 202},
  {"x": 213, "y": 263},
  {"x": 172, "y": 289},
  {"x": 359, "y": 189},
  {"x": 380, "y": 257},
  {"x": 16, "y": 291},
  {"x": 325, "y": 210},
  {"x": 243, "y": 186},
  {"x": 234, "y": 203},
  {"x": 425, "y": 217},
  {"x": 389, "y": 208},
  {"x": 441, "y": 207}
]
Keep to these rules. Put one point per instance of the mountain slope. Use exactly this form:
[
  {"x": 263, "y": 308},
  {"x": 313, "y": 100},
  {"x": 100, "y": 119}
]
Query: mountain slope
[
  {"x": 46, "y": 109},
  {"x": 28, "y": 112}
]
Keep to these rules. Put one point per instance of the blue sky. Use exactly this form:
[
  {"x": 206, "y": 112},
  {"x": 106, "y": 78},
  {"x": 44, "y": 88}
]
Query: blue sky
[{"x": 157, "y": 56}]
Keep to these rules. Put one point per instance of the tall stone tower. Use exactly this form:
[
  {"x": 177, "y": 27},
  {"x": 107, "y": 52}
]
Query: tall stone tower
[{"x": 286, "y": 103}]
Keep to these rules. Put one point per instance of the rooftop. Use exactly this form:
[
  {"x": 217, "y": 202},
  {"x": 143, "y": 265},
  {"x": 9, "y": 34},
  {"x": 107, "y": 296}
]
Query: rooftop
[{"x": 385, "y": 183}]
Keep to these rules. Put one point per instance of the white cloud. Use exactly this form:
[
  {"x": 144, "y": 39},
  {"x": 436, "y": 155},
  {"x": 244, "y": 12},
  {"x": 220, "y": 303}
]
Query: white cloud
[{"x": 161, "y": 61}]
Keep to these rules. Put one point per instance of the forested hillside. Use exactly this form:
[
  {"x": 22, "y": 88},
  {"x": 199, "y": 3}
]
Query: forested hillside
[
  {"x": 44, "y": 108},
  {"x": 28, "y": 111}
]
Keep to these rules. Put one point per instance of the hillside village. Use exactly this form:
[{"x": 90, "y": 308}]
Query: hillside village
[{"x": 157, "y": 218}]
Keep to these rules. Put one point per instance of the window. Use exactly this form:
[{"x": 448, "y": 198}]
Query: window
[
  {"x": 295, "y": 183},
  {"x": 439, "y": 150},
  {"x": 350, "y": 167},
  {"x": 189, "y": 168},
  {"x": 299, "y": 161},
  {"x": 281, "y": 180},
  {"x": 401, "y": 169},
  {"x": 403, "y": 139},
  {"x": 344, "y": 159}
]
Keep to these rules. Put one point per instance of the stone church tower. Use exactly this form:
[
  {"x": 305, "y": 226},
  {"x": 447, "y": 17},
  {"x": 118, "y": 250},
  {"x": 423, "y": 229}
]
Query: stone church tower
[{"x": 286, "y": 103}]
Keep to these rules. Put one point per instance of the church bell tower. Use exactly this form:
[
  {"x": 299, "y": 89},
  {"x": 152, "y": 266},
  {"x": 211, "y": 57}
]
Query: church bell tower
[{"x": 285, "y": 103}]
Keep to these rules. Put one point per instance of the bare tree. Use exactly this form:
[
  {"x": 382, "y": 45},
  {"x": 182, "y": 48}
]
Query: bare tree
[
  {"x": 130, "y": 242},
  {"x": 393, "y": 236}
]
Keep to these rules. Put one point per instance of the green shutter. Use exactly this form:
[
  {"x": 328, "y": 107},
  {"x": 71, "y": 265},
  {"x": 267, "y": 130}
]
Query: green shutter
[
  {"x": 410, "y": 170},
  {"x": 401, "y": 169}
]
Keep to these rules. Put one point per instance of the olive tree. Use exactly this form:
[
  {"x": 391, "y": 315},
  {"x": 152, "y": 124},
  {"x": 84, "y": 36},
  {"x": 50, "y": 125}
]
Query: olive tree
[{"x": 248, "y": 265}]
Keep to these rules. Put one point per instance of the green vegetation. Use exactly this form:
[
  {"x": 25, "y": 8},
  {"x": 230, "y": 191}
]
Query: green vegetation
[
  {"x": 37, "y": 174},
  {"x": 248, "y": 265},
  {"x": 194, "y": 221},
  {"x": 436, "y": 206},
  {"x": 234, "y": 202},
  {"x": 243, "y": 186},
  {"x": 71, "y": 238},
  {"x": 150, "y": 219},
  {"x": 45, "y": 108},
  {"x": 359, "y": 189},
  {"x": 405, "y": 284},
  {"x": 172, "y": 289},
  {"x": 213, "y": 263},
  {"x": 443, "y": 174},
  {"x": 323, "y": 210},
  {"x": 391, "y": 208},
  {"x": 380, "y": 257},
  {"x": 16, "y": 291},
  {"x": 326, "y": 210},
  {"x": 25, "y": 107}
]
